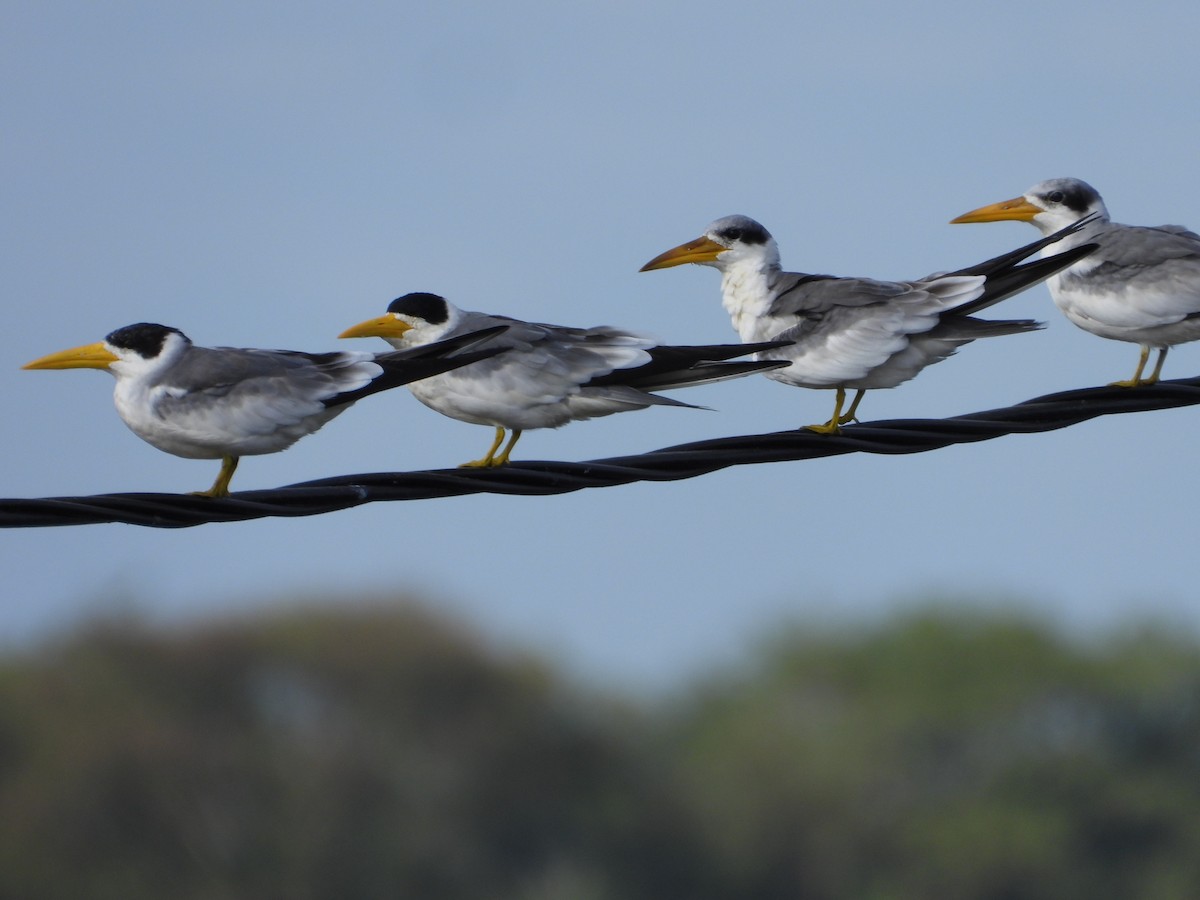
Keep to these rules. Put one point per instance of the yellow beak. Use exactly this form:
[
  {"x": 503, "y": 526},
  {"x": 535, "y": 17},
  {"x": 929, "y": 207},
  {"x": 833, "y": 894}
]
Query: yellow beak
[
  {"x": 387, "y": 326},
  {"x": 91, "y": 356},
  {"x": 1018, "y": 208},
  {"x": 700, "y": 250}
]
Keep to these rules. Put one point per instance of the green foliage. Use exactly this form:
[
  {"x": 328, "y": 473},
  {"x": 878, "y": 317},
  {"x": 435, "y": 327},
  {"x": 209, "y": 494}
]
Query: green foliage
[
  {"x": 380, "y": 753},
  {"x": 952, "y": 758},
  {"x": 316, "y": 755}
]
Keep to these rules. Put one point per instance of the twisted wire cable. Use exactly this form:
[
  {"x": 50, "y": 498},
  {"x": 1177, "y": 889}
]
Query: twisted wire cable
[{"x": 892, "y": 436}]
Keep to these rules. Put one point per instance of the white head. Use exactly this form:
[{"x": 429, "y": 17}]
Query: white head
[
  {"x": 1050, "y": 205},
  {"x": 727, "y": 242}
]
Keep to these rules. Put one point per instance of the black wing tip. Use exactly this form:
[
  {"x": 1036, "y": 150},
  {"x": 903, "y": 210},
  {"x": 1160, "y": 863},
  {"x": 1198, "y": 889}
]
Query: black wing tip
[
  {"x": 749, "y": 365},
  {"x": 1076, "y": 253},
  {"x": 1003, "y": 281},
  {"x": 412, "y": 369},
  {"x": 448, "y": 345},
  {"x": 767, "y": 345},
  {"x": 705, "y": 373},
  {"x": 702, "y": 353},
  {"x": 1031, "y": 273},
  {"x": 1014, "y": 325},
  {"x": 400, "y": 369},
  {"x": 1010, "y": 260},
  {"x": 764, "y": 365}
]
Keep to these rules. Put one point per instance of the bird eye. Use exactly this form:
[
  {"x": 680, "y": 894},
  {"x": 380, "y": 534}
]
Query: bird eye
[
  {"x": 733, "y": 235},
  {"x": 1056, "y": 196}
]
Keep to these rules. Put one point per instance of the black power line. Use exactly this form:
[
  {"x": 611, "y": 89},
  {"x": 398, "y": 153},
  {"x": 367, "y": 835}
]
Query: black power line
[{"x": 310, "y": 498}]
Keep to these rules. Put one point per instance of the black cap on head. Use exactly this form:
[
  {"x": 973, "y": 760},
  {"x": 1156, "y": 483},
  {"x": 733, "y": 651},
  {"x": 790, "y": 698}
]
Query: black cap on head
[
  {"x": 146, "y": 339},
  {"x": 743, "y": 229},
  {"x": 1077, "y": 196},
  {"x": 427, "y": 307}
]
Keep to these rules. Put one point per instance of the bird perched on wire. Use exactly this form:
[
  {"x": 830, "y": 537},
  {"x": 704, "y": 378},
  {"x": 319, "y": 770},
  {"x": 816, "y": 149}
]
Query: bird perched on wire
[
  {"x": 225, "y": 403},
  {"x": 856, "y": 333},
  {"x": 548, "y": 375},
  {"x": 1141, "y": 286}
]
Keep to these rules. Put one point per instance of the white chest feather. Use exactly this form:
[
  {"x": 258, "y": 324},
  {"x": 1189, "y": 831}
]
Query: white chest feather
[{"x": 746, "y": 296}]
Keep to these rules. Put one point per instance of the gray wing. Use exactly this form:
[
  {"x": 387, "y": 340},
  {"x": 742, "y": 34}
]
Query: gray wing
[
  {"x": 257, "y": 391},
  {"x": 1138, "y": 246},
  {"x": 844, "y": 328},
  {"x": 1142, "y": 277},
  {"x": 811, "y": 296},
  {"x": 816, "y": 307},
  {"x": 553, "y": 361}
]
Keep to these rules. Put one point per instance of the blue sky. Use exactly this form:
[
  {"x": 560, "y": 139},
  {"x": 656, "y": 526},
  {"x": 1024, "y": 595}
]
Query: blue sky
[{"x": 269, "y": 174}]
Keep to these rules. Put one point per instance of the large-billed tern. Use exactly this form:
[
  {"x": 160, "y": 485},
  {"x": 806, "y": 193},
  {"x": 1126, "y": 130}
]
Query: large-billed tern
[
  {"x": 1141, "y": 286},
  {"x": 856, "y": 333},
  {"x": 225, "y": 403},
  {"x": 549, "y": 375}
]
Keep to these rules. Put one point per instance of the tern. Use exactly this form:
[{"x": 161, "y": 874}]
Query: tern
[
  {"x": 224, "y": 402},
  {"x": 856, "y": 333},
  {"x": 548, "y": 375},
  {"x": 1141, "y": 286}
]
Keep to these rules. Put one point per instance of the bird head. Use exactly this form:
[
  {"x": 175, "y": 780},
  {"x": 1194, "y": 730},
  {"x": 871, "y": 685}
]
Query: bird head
[
  {"x": 728, "y": 241},
  {"x": 132, "y": 350},
  {"x": 1049, "y": 205},
  {"x": 410, "y": 321}
]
